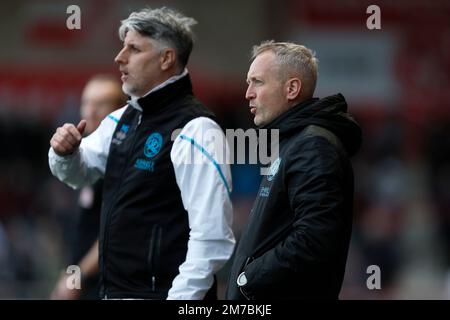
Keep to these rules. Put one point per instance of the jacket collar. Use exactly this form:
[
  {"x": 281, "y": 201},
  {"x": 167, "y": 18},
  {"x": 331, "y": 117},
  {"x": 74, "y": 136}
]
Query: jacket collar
[
  {"x": 157, "y": 98},
  {"x": 329, "y": 113},
  {"x": 280, "y": 121}
]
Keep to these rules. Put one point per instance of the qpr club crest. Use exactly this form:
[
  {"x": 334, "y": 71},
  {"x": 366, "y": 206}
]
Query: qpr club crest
[{"x": 153, "y": 145}]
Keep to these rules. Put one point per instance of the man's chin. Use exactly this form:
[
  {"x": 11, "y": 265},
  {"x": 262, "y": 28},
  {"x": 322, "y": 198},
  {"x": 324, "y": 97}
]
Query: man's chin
[{"x": 127, "y": 90}]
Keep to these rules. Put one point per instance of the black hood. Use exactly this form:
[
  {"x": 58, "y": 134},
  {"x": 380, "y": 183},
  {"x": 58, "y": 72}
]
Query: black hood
[{"x": 329, "y": 113}]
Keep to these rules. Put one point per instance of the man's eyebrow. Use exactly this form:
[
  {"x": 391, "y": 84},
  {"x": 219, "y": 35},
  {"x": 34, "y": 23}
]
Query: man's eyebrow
[
  {"x": 131, "y": 43},
  {"x": 252, "y": 78}
]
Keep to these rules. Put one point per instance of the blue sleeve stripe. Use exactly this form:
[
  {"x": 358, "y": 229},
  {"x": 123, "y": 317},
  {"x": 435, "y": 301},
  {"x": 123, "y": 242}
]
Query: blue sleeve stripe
[
  {"x": 195, "y": 144},
  {"x": 113, "y": 118}
]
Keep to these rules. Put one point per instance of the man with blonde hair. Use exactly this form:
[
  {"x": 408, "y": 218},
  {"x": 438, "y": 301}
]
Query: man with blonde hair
[{"x": 296, "y": 241}]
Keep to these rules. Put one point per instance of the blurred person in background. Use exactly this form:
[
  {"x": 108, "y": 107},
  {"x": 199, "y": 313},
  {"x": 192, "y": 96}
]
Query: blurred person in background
[
  {"x": 165, "y": 226},
  {"x": 101, "y": 95},
  {"x": 296, "y": 242}
]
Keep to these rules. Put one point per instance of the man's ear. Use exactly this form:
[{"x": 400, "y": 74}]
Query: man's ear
[
  {"x": 168, "y": 59},
  {"x": 293, "y": 88}
]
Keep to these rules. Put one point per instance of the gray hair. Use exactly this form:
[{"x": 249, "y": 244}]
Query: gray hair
[
  {"x": 292, "y": 60},
  {"x": 163, "y": 25}
]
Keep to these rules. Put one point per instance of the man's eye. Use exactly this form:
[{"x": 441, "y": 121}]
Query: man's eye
[{"x": 254, "y": 81}]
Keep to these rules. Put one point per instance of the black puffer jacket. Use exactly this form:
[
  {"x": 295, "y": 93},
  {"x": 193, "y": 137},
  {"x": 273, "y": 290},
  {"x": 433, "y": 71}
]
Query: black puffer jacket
[{"x": 296, "y": 242}]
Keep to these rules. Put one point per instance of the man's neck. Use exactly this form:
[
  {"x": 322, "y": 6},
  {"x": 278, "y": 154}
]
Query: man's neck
[{"x": 170, "y": 80}]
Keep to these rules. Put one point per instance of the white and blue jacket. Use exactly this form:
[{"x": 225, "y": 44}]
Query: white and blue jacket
[{"x": 166, "y": 213}]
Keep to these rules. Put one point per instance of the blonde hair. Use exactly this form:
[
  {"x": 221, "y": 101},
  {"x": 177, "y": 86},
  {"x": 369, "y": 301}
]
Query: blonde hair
[{"x": 292, "y": 60}]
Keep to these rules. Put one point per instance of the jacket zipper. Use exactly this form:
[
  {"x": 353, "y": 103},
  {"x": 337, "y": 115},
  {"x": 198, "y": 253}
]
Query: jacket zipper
[
  {"x": 249, "y": 259},
  {"x": 153, "y": 253},
  {"x": 108, "y": 215}
]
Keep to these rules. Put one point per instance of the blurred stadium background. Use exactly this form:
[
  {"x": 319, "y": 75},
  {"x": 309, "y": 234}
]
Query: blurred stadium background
[{"x": 396, "y": 81}]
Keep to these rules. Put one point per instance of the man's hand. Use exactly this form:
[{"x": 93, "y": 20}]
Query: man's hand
[{"x": 67, "y": 138}]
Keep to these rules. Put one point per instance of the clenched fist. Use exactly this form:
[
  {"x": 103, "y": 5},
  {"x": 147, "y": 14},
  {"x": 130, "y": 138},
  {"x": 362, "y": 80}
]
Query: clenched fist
[{"x": 67, "y": 138}]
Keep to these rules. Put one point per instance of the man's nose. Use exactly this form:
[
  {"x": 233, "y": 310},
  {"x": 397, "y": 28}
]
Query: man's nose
[
  {"x": 249, "y": 94},
  {"x": 120, "y": 58}
]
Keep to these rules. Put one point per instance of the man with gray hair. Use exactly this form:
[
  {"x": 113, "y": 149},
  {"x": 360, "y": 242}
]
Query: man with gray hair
[
  {"x": 165, "y": 225},
  {"x": 296, "y": 241}
]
